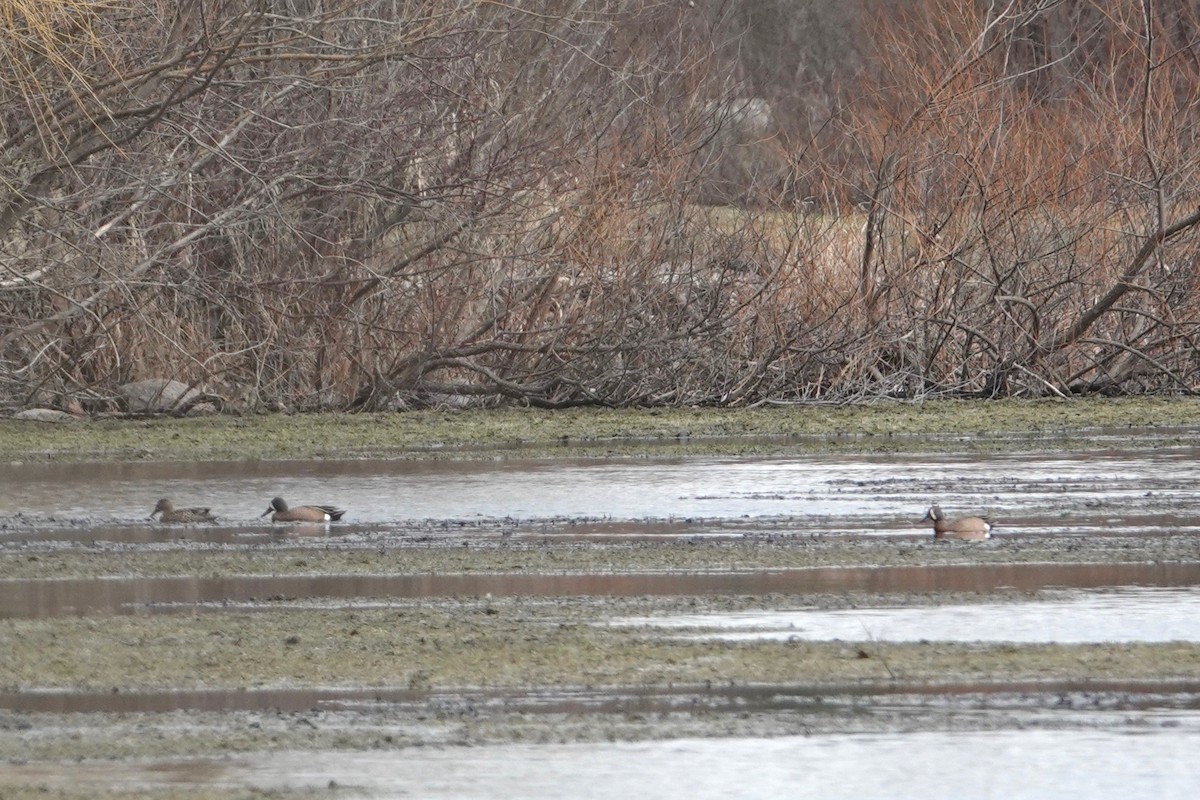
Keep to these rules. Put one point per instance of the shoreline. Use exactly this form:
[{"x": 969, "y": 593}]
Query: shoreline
[{"x": 993, "y": 425}]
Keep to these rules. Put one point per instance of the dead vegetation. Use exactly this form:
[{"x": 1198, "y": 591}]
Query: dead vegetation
[{"x": 373, "y": 205}]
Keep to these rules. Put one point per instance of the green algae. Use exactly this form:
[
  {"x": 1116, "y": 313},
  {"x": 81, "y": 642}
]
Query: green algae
[
  {"x": 508, "y": 643},
  {"x": 877, "y": 427}
]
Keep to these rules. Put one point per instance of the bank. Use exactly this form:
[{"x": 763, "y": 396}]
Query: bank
[{"x": 882, "y": 426}]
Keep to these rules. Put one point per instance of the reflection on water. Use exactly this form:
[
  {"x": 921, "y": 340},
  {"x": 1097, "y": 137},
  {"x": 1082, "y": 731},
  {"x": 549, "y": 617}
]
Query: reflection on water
[
  {"x": 1139, "y": 490},
  {"x": 1153, "y": 758},
  {"x": 113, "y": 595},
  {"x": 1124, "y": 615}
]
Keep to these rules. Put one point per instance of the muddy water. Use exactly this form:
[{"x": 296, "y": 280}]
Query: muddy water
[
  {"x": 1151, "y": 756},
  {"x": 60, "y": 597},
  {"x": 1124, "y": 615},
  {"x": 711, "y": 698},
  {"x": 1112, "y": 490}
]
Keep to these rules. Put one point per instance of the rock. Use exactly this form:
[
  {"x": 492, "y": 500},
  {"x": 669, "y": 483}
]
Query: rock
[
  {"x": 157, "y": 395},
  {"x": 45, "y": 415}
]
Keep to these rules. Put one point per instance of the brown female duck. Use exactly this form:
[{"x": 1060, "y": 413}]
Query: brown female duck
[{"x": 170, "y": 514}]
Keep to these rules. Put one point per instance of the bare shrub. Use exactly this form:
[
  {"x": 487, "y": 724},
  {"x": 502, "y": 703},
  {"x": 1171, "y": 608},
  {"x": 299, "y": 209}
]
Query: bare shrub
[
  {"x": 370, "y": 205},
  {"x": 1016, "y": 227}
]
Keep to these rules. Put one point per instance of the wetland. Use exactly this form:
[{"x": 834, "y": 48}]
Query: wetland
[{"x": 540, "y": 580}]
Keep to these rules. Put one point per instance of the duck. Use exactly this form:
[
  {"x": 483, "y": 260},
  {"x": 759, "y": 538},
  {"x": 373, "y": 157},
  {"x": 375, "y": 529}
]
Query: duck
[
  {"x": 301, "y": 513},
  {"x": 967, "y": 529},
  {"x": 170, "y": 514}
]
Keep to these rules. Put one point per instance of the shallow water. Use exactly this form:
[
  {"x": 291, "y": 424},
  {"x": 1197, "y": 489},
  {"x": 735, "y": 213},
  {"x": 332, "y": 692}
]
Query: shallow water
[
  {"x": 1112, "y": 490},
  {"x": 852, "y": 701},
  {"x": 1021, "y": 701},
  {"x": 1139, "y": 750},
  {"x": 1149, "y": 764},
  {"x": 1115, "y": 615},
  {"x": 54, "y": 597},
  {"x": 1150, "y": 757}
]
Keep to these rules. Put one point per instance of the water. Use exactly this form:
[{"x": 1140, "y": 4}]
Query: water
[
  {"x": 1018, "y": 703},
  {"x": 1139, "y": 750},
  {"x": 1153, "y": 765},
  {"x": 51, "y": 597},
  {"x": 1116, "y": 615},
  {"x": 1129, "y": 491},
  {"x": 1151, "y": 758}
]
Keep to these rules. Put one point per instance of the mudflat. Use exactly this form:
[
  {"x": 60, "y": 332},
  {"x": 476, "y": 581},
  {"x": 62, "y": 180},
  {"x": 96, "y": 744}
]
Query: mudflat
[{"x": 490, "y": 630}]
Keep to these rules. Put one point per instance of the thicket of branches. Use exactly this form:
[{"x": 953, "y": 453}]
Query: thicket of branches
[{"x": 371, "y": 204}]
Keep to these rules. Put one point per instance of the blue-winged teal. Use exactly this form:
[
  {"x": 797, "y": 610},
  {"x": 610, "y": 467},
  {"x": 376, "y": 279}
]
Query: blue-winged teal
[
  {"x": 301, "y": 513},
  {"x": 172, "y": 514},
  {"x": 968, "y": 529}
]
